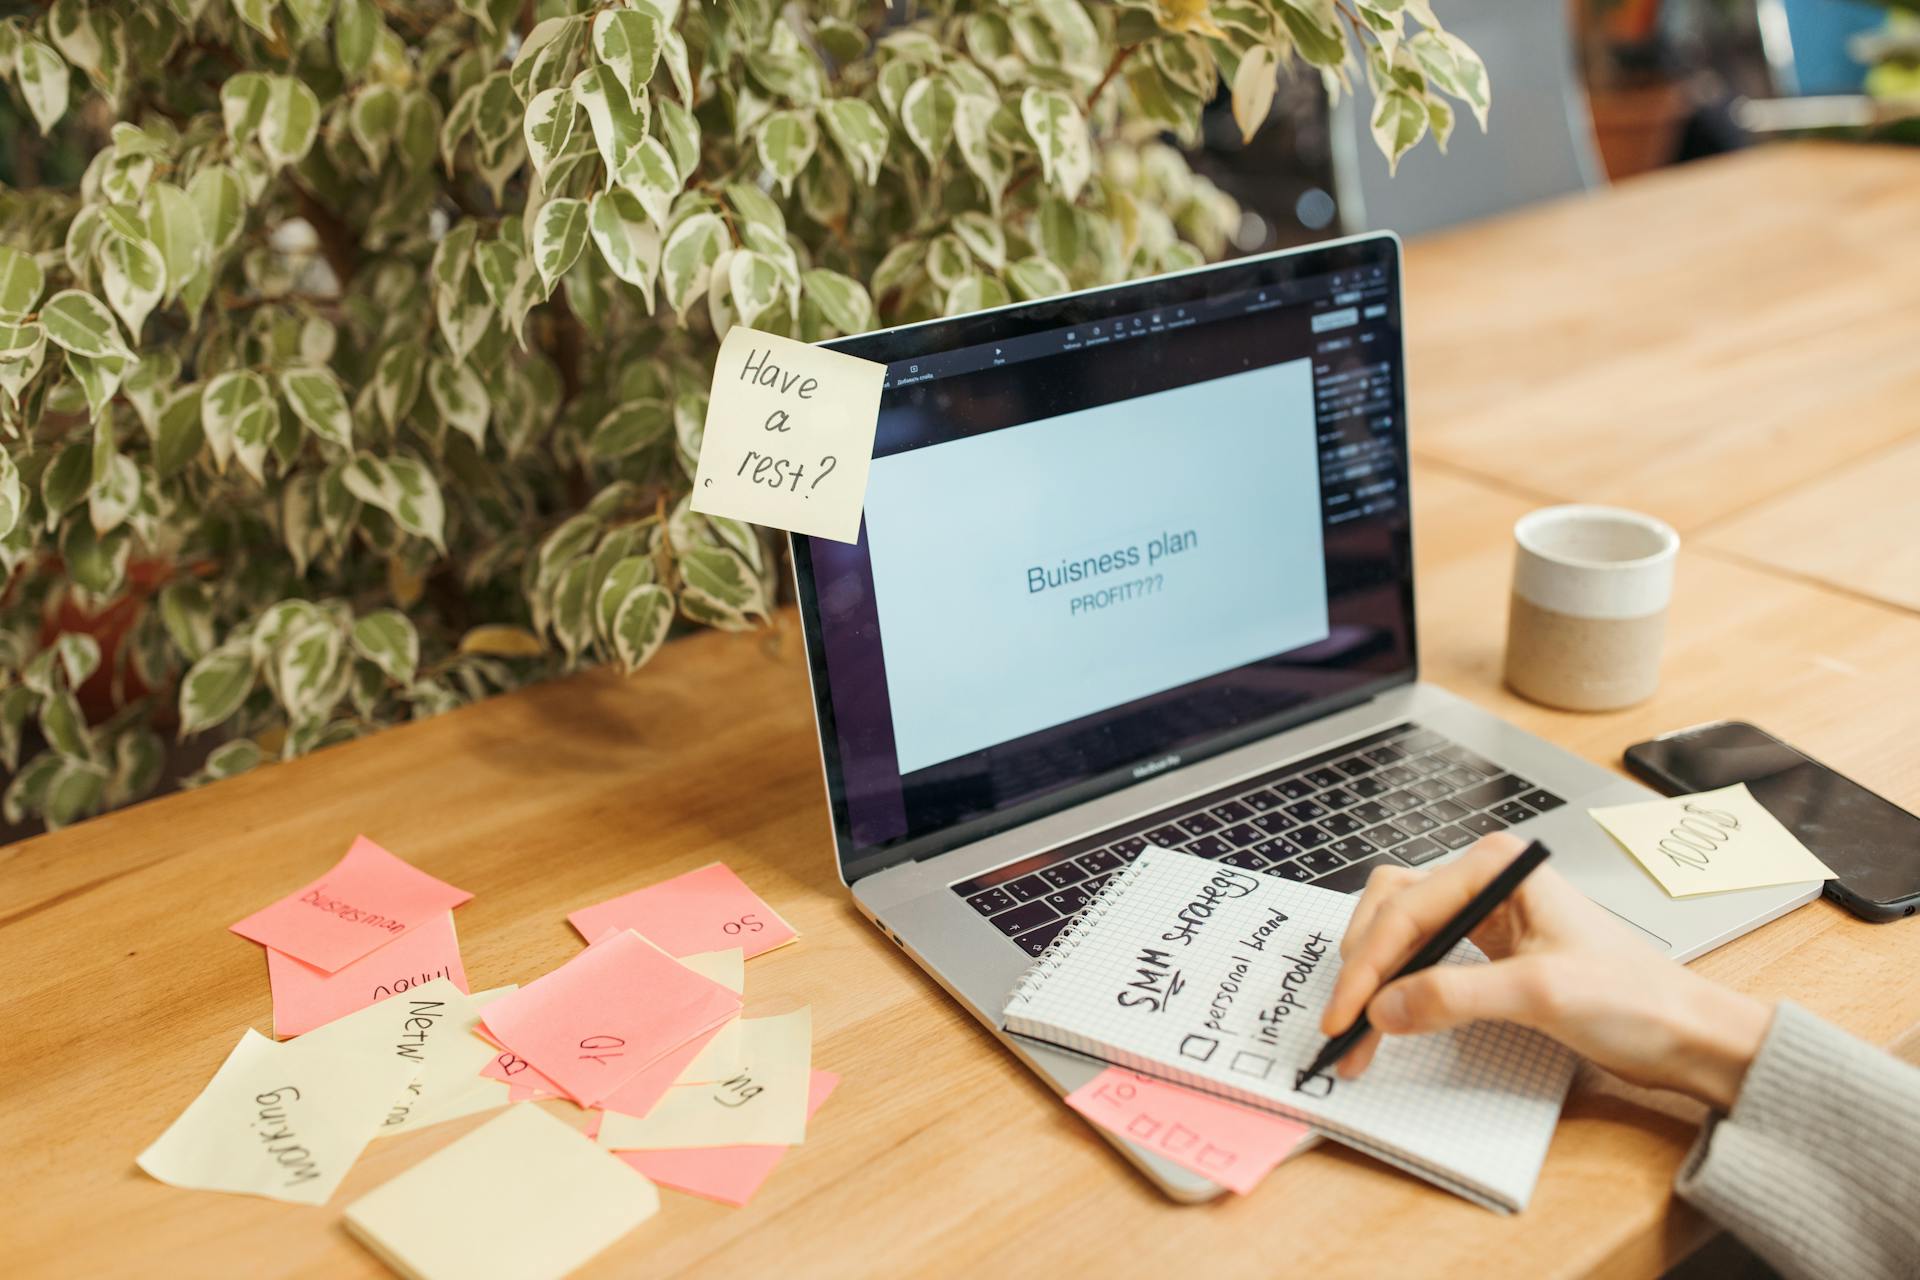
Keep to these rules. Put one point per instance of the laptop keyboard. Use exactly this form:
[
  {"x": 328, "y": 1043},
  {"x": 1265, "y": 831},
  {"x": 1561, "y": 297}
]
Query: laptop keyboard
[{"x": 1400, "y": 797}]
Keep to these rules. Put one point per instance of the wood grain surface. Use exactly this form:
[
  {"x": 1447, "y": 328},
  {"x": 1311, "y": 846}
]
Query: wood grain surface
[{"x": 1609, "y": 347}]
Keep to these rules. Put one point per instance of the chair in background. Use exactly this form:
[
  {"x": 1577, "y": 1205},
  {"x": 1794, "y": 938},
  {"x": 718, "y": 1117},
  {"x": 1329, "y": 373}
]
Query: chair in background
[{"x": 1539, "y": 140}]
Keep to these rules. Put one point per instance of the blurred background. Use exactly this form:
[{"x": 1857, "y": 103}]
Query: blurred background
[{"x": 1639, "y": 85}]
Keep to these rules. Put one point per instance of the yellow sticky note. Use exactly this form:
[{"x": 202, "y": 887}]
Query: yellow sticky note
[
  {"x": 523, "y": 1197},
  {"x": 1711, "y": 842},
  {"x": 789, "y": 435},
  {"x": 430, "y": 1026},
  {"x": 285, "y": 1121},
  {"x": 447, "y": 1099},
  {"x": 764, "y": 1103},
  {"x": 728, "y": 968}
]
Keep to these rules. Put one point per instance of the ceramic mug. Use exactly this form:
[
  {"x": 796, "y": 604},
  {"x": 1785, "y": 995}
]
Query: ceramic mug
[{"x": 1588, "y": 614}]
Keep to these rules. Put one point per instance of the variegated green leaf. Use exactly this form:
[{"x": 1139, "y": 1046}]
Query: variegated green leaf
[
  {"x": 419, "y": 508},
  {"x": 388, "y": 640},
  {"x": 1255, "y": 81},
  {"x": 82, "y": 324},
  {"x": 243, "y": 104},
  {"x": 1454, "y": 68},
  {"x": 860, "y": 133},
  {"x": 927, "y": 115},
  {"x": 619, "y": 121},
  {"x": 630, "y": 428},
  {"x": 1034, "y": 277},
  {"x": 180, "y": 434},
  {"x": 21, "y": 281},
  {"x": 99, "y": 379},
  {"x": 573, "y": 608},
  {"x": 627, "y": 239},
  {"x": 641, "y": 620},
  {"x": 215, "y": 686},
  {"x": 134, "y": 277},
  {"x": 976, "y": 293},
  {"x": 317, "y": 400},
  {"x": 305, "y": 665},
  {"x": 115, "y": 492},
  {"x": 221, "y": 202},
  {"x": 841, "y": 299},
  {"x": 755, "y": 284},
  {"x": 355, "y": 29},
  {"x": 460, "y": 397},
  {"x": 1058, "y": 131},
  {"x": 291, "y": 121},
  {"x": 687, "y": 261},
  {"x": 678, "y": 130},
  {"x": 1399, "y": 121},
  {"x": 628, "y": 43},
  {"x": 13, "y": 500},
  {"x": 785, "y": 141},
  {"x": 619, "y": 580},
  {"x": 374, "y": 119},
  {"x": 42, "y": 76},
  {"x": 239, "y": 416},
  {"x": 549, "y": 126},
  {"x": 396, "y": 381},
  {"x": 186, "y": 611},
  {"x": 982, "y": 235},
  {"x": 650, "y": 174},
  {"x": 173, "y": 226},
  {"x": 559, "y": 234}
]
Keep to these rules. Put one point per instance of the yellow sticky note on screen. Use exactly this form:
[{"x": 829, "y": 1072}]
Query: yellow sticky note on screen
[
  {"x": 764, "y": 1103},
  {"x": 789, "y": 435},
  {"x": 1712, "y": 842}
]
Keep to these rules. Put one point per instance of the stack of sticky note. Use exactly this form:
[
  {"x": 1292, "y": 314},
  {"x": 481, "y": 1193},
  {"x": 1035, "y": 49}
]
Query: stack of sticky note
[{"x": 642, "y": 1030}]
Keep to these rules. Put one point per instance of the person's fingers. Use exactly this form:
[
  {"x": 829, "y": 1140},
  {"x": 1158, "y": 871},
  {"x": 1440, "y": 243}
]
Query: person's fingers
[
  {"x": 1350, "y": 1067},
  {"x": 1401, "y": 921},
  {"x": 1450, "y": 995},
  {"x": 1382, "y": 883}
]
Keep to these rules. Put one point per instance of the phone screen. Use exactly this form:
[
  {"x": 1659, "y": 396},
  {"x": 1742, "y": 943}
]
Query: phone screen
[{"x": 1871, "y": 843}]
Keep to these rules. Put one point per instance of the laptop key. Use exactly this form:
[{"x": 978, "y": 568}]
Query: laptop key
[
  {"x": 1493, "y": 791},
  {"x": 1469, "y": 760},
  {"x": 1027, "y": 888},
  {"x": 1355, "y": 766},
  {"x": 1483, "y": 824},
  {"x": 1397, "y": 774},
  {"x": 1541, "y": 801},
  {"x": 1430, "y": 789},
  {"x": 1309, "y": 837},
  {"x": 1167, "y": 837},
  {"x": 1294, "y": 788},
  {"x": 1020, "y": 919},
  {"x": 1340, "y": 824},
  {"x": 1459, "y": 779},
  {"x": 1068, "y": 901},
  {"x": 1209, "y": 846},
  {"x": 1276, "y": 849},
  {"x": 1230, "y": 812},
  {"x": 1369, "y": 787},
  {"x": 1512, "y": 812},
  {"x": 1447, "y": 811},
  {"x": 1353, "y": 877},
  {"x": 1245, "y": 858},
  {"x": 992, "y": 900},
  {"x": 1289, "y": 870},
  {"x": 1401, "y": 801},
  {"x": 1371, "y": 811},
  {"x": 1035, "y": 941},
  {"x": 1062, "y": 874},
  {"x": 1320, "y": 861},
  {"x": 1100, "y": 860},
  {"x": 1427, "y": 766},
  {"x": 1324, "y": 777},
  {"x": 1350, "y": 848},
  {"x": 1305, "y": 810},
  {"x": 1197, "y": 824},
  {"x": 1415, "y": 823},
  {"x": 1385, "y": 753},
  {"x": 1419, "y": 740},
  {"x": 1421, "y": 849},
  {"x": 1384, "y": 836},
  {"x": 1243, "y": 835},
  {"x": 1262, "y": 800},
  {"x": 1453, "y": 837},
  {"x": 1130, "y": 848},
  {"x": 1338, "y": 798}
]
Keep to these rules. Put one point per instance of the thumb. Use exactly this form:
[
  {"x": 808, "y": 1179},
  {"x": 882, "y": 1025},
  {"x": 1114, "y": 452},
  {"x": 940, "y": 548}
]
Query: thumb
[{"x": 1451, "y": 995}]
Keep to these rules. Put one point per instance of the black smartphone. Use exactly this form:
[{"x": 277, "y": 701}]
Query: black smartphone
[{"x": 1871, "y": 844}]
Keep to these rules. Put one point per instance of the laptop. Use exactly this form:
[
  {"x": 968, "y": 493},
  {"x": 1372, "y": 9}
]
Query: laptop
[{"x": 1136, "y": 567}]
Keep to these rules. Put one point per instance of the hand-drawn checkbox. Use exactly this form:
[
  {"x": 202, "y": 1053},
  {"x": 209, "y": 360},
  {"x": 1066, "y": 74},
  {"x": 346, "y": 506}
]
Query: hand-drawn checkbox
[
  {"x": 1179, "y": 1138},
  {"x": 1142, "y": 1127},
  {"x": 1252, "y": 1064},
  {"x": 1212, "y": 1157},
  {"x": 1199, "y": 1048}
]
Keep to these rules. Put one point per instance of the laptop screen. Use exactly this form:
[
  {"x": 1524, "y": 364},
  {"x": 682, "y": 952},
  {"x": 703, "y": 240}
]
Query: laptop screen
[{"x": 1109, "y": 534}]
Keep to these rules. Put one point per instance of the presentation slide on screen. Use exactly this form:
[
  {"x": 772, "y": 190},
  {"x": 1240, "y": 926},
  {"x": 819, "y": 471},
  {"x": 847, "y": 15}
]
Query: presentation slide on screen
[{"x": 1037, "y": 574}]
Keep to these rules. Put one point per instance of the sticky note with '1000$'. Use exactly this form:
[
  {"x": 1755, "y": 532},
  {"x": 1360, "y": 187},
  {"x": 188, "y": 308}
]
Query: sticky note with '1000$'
[
  {"x": 305, "y": 997},
  {"x": 369, "y": 899},
  {"x": 703, "y": 910},
  {"x": 284, "y": 1121},
  {"x": 603, "y": 1016},
  {"x": 764, "y": 1102},
  {"x": 1234, "y": 1146},
  {"x": 789, "y": 435},
  {"x": 523, "y": 1197},
  {"x": 1711, "y": 842}
]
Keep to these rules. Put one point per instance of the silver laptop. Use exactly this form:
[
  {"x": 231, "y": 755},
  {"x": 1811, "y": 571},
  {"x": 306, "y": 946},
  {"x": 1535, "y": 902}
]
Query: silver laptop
[{"x": 1137, "y": 566}]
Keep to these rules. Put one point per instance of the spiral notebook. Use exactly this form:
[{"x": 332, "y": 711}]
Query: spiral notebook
[{"x": 1214, "y": 978}]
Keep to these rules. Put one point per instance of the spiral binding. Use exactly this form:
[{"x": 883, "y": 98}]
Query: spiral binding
[{"x": 1049, "y": 960}]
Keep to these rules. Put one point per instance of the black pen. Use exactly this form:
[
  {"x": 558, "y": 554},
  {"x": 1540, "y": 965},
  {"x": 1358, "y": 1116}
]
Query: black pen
[{"x": 1464, "y": 922}]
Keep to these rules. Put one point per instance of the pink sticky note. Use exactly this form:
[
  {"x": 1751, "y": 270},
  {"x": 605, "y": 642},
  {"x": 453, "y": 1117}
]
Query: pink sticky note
[
  {"x": 648, "y": 1085},
  {"x": 1232, "y": 1145},
  {"x": 514, "y": 1070},
  {"x": 730, "y": 1175},
  {"x": 305, "y": 998},
  {"x": 368, "y": 900},
  {"x": 616, "y": 1008},
  {"x": 706, "y": 910}
]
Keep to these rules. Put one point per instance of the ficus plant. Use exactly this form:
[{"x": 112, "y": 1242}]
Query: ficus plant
[{"x": 354, "y": 353}]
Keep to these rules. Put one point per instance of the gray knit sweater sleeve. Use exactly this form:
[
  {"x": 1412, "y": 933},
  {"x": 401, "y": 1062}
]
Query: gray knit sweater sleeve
[{"x": 1817, "y": 1170}]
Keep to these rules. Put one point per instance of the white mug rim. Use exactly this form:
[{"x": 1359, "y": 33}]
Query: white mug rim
[{"x": 1527, "y": 526}]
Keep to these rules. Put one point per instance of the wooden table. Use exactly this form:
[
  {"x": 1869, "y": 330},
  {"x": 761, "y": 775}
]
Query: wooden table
[{"x": 1707, "y": 343}]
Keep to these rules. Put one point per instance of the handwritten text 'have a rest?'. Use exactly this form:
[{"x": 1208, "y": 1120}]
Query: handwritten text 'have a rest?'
[{"x": 789, "y": 435}]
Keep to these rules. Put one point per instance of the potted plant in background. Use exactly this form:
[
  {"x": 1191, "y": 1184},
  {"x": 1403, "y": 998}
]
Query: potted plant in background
[{"x": 354, "y": 363}]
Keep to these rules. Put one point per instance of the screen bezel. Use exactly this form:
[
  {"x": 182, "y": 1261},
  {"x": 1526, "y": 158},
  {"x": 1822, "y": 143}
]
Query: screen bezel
[{"x": 931, "y": 337}]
